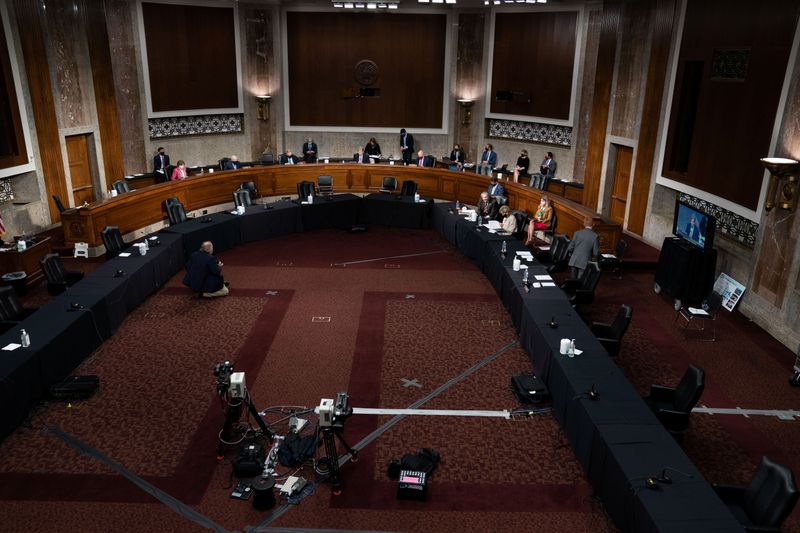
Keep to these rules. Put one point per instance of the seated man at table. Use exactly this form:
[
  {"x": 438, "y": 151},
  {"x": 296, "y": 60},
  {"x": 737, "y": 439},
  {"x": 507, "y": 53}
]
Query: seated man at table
[
  {"x": 495, "y": 189},
  {"x": 488, "y": 207},
  {"x": 232, "y": 163},
  {"x": 204, "y": 273},
  {"x": 289, "y": 158},
  {"x": 361, "y": 156}
]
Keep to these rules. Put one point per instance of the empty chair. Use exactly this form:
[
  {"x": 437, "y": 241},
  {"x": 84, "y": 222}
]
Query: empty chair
[
  {"x": 58, "y": 278},
  {"x": 409, "y": 188},
  {"x": 766, "y": 501},
  {"x": 556, "y": 259},
  {"x": 707, "y": 312},
  {"x": 429, "y": 161},
  {"x": 305, "y": 189},
  {"x": 11, "y": 310},
  {"x": 266, "y": 159},
  {"x": 176, "y": 213},
  {"x": 222, "y": 162},
  {"x": 581, "y": 291},
  {"x": 389, "y": 184},
  {"x": 610, "y": 335},
  {"x": 250, "y": 186},
  {"x": 673, "y": 405},
  {"x": 59, "y": 205},
  {"x": 613, "y": 261},
  {"x": 325, "y": 184},
  {"x": 241, "y": 197},
  {"x": 112, "y": 240},
  {"x": 121, "y": 186}
]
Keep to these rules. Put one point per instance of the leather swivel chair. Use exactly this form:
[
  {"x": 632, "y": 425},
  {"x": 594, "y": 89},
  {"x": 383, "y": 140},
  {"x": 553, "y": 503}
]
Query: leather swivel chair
[
  {"x": 610, "y": 335},
  {"x": 59, "y": 204},
  {"x": 614, "y": 262},
  {"x": 766, "y": 501},
  {"x": 121, "y": 186},
  {"x": 241, "y": 197},
  {"x": 389, "y": 184},
  {"x": 409, "y": 188},
  {"x": 176, "y": 213},
  {"x": 581, "y": 291},
  {"x": 305, "y": 189},
  {"x": 250, "y": 186},
  {"x": 58, "y": 278},
  {"x": 673, "y": 405},
  {"x": 112, "y": 240},
  {"x": 11, "y": 310},
  {"x": 325, "y": 184}
]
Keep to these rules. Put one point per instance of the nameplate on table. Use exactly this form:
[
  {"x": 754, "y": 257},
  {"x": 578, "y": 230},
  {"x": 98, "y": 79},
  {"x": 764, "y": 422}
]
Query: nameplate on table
[
  {"x": 543, "y": 277},
  {"x": 10, "y": 347},
  {"x": 124, "y": 254}
]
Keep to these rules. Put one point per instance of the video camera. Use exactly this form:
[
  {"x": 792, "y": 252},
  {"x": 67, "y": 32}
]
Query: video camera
[
  {"x": 335, "y": 413},
  {"x": 223, "y": 373}
]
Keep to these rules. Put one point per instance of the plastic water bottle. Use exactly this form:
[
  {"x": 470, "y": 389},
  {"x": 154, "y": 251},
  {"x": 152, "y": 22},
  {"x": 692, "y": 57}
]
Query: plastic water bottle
[
  {"x": 571, "y": 350},
  {"x": 24, "y": 339},
  {"x": 458, "y": 205},
  {"x": 503, "y": 250},
  {"x": 525, "y": 277}
]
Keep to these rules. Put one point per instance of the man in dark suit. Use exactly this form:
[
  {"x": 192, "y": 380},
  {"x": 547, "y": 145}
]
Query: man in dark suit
[
  {"x": 160, "y": 164},
  {"x": 232, "y": 163},
  {"x": 361, "y": 156},
  {"x": 488, "y": 160},
  {"x": 584, "y": 247},
  {"x": 693, "y": 230},
  {"x": 488, "y": 207},
  {"x": 424, "y": 160},
  {"x": 406, "y": 146},
  {"x": 495, "y": 189},
  {"x": 204, "y": 273},
  {"x": 310, "y": 151},
  {"x": 289, "y": 158}
]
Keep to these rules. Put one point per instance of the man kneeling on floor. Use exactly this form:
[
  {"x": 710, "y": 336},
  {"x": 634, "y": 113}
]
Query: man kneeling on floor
[{"x": 204, "y": 273}]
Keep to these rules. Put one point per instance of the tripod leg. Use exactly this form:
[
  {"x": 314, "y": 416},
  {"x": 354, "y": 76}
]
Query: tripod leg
[
  {"x": 353, "y": 453},
  {"x": 232, "y": 415},
  {"x": 333, "y": 460}
]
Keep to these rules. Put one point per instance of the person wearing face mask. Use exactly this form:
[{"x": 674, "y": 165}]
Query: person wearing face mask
[
  {"x": 488, "y": 160},
  {"x": 523, "y": 162},
  {"x": 160, "y": 164},
  {"x": 310, "y": 151},
  {"x": 457, "y": 156}
]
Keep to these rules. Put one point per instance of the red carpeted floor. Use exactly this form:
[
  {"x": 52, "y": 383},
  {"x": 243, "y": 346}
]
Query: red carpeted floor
[{"x": 317, "y": 313}]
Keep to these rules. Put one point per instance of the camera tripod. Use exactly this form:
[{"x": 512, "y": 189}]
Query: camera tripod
[
  {"x": 331, "y": 458},
  {"x": 232, "y": 415}
]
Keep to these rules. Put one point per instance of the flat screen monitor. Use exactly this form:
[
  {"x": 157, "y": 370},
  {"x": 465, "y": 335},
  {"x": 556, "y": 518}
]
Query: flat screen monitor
[{"x": 694, "y": 226}]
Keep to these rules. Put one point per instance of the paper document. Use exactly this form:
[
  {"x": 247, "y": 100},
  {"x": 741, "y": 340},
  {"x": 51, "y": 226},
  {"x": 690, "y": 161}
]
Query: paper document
[
  {"x": 124, "y": 254},
  {"x": 536, "y": 285},
  {"x": 608, "y": 256},
  {"x": 11, "y": 346},
  {"x": 696, "y": 311},
  {"x": 544, "y": 277},
  {"x": 543, "y": 248},
  {"x": 494, "y": 224},
  {"x": 548, "y": 284}
]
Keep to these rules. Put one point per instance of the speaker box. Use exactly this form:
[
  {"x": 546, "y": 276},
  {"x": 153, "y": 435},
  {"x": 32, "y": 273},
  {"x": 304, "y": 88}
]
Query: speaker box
[
  {"x": 75, "y": 388},
  {"x": 529, "y": 389}
]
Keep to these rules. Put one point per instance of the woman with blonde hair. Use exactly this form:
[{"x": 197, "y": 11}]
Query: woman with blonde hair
[
  {"x": 509, "y": 220},
  {"x": 541, "y": 218}
]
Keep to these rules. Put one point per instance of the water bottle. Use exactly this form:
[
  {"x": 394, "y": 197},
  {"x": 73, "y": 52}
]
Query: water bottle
[
  {"x": 503, "y": 249},
  {"x": 525, "y": 277},
  {"x": 24, "y": 339},
  {"x": 571, "y": 350},
  {"x": 458, "y": 205}
]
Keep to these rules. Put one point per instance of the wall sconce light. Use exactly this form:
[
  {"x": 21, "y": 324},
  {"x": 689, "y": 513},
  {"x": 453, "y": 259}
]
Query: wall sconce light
[
  {"x": 262, "y": 111},
  {"x": 782, "y": 188},
  {"x": 466, "y": 112}
]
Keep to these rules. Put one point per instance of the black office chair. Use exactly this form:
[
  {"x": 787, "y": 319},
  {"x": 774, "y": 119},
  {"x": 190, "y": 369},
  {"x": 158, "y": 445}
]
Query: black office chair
[
  {"x": 250, "y": 186},
  {"x": 613, "y": 261},
  {"x": 389, "y": 184},
  {"x": 610, "y": 335},
  {"x": 176, "y": 214},
  {"x": 58, "y": 278},
  {"x": 325, "y": 185},
  {"x": 112, "y": 240},
  {"x": 522, "y": 223},
  {"x": 266, "y": 159},
  {"x": 305, "y": 189},
  {"x": 556, "y": 258},
  {"x": 581, "y": 291},
  {"x": 429, "y": 161},
  {"x": 409, "y": 188},
  {"x": 766, "y": 501},
  {"x": 121, "y": 186},
  {"x": 59, "y": 205},
  {"x": 673, "y": 406},
  {"x": 11, "y": 310},
  {"x": 222, "y": 162},
  {"x": 707, "y": 312},
  {"x": 241, "y": 197},
  {"x": 551, "y": 231}
]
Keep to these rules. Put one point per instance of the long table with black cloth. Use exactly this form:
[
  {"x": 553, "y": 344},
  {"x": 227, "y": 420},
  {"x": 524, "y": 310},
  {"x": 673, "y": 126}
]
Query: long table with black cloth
[{"x": 617, "y": 439}]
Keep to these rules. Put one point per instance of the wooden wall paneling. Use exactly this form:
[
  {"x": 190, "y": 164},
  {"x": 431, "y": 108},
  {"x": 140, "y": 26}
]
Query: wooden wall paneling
[
  {"x": 30, "y": 18},
  {"x": 104, "y": 91},
  {"x": 469, "y": 72},
  {"x": 13, "y": 151},
  {"x": 407, "y": 52},
  {"x": 663, "y": 21},
  {"x": 601, "y": 102},
  {"x": 140, "y": 208},
  {"x": 534, "y": 56}
]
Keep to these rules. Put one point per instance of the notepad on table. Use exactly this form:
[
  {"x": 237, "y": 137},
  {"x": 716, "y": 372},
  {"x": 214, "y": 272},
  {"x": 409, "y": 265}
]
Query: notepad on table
[
  {"x": 11, "y": 346},
  {"x": 548, "y": 284},
  {"x": 544, "y": 277},
  {"x": 696, "y": 311},
  {"x": 124, "y": 254}
]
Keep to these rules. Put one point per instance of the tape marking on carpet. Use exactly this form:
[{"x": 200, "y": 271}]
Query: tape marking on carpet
[
  {"x": 343, "y": 263},
  {"x": 779, "y": 414}
]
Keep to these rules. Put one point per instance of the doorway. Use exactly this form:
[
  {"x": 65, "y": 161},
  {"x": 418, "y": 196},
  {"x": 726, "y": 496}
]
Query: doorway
[
  {"x": 79, "y": 159},
  {"x": 623, "y": 158}
]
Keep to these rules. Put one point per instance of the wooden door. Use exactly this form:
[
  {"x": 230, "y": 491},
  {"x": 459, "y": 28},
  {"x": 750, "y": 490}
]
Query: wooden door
[
  {"x": 622, "y": 175},
  {"x": 80, "y": 168}
]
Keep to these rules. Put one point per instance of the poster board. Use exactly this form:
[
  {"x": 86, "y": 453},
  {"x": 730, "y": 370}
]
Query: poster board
[{"x": 730, "y": 289}]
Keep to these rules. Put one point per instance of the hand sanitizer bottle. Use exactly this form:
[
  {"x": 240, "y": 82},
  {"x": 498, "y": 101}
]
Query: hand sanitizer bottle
[{"x": 24, "y": 339}]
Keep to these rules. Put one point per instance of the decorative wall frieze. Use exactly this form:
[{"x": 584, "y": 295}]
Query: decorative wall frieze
[
  {"x": 730, "y": 225},
  {"x": 195, "y": 125},
  {"x": 530, "y": 131}
]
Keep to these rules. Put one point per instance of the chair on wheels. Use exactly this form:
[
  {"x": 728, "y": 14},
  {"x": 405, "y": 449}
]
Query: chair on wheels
[
  {"x": 59, "y": 205},
  {"x": 556, "y": 259},
  {"x": 121, "y": 186},
  {"x": 766, "y": 501},
  {"x": 552, "y": 229},
  {"x": 266, "y": 159},
  {"x": 522, "y": 223},
  {"x": 610, "y": 335},
  {"x": 707, "y": 312},
  {"x": 176, "y": 214},
  {"x": 222, "y": 162},
  {"x": 112, "y": 240},
  {"x": 613, "y": 261},
  {"x": 325, "y": 185},
  {"x": 305, "y": 189},
  {"x": 11, "y": 310},
  {"x": 241, "y": 197},
  {"x": 389, "y": 184},
  {"x": 250, "y": 186},
  {"x": 58, "y": 278},
  {"x": 409, "y": 188},
  {"x": 673, "y": 405},
  {"x": 581, "y": 291}
]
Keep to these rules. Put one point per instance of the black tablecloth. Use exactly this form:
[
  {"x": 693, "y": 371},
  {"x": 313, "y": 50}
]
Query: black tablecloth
[
  {"x": 336, "y": 211},
  {"x": 223, "y": 229},
  {"x": 262, "y": 222},
  {"x": 397, "y": 211},
  {"x": 685, "y": 272}
]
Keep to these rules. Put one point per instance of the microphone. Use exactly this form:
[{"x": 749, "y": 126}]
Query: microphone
[
  {"x": 553, "y": 324},
  {"x": 592, "y": 394},
  {"x": 663, "y": 478},
  {"x": 75, "y": 306},
  {"x": 119, "y": 273}
]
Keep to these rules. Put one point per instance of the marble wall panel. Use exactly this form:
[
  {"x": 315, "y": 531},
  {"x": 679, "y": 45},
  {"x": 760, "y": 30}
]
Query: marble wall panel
[
  {"x": 631, "y": 69},
  {"x": 258, "y": 52},
  {"x": 580, "y": 140}
]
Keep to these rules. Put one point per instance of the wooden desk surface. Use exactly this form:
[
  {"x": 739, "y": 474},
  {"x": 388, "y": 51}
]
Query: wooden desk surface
[
  {"x": 26, "y": 261},
  {"x": 142, "y": 207}
]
